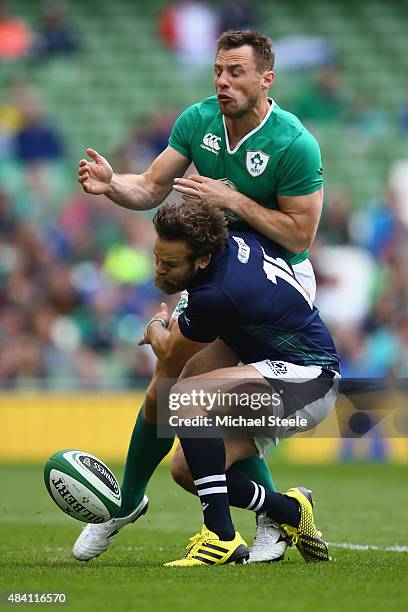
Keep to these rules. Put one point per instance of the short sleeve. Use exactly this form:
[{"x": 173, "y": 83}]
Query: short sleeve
[
  {"x": 183, "y": 128},
  {"x": 209, "y": 313},
  {"x": 300, "y": 167}
]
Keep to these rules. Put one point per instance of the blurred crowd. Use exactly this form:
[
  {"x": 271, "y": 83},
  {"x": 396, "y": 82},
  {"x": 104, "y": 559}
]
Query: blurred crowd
[
  {"x": 361, "y": 263},
  {"x": 53, "y": 34},
  {"x": 76, "y": 271},
  {"x": 75, "y": 294}
]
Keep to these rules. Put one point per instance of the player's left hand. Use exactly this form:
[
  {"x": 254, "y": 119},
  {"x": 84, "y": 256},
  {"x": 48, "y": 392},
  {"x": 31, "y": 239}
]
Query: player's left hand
[
  {"x": 161, "y": 315},
  {"x": 204, "y": 189}
]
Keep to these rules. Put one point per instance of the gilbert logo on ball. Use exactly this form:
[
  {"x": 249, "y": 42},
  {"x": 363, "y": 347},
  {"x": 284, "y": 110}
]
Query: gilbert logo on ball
[{"x": 82, "y": 486}]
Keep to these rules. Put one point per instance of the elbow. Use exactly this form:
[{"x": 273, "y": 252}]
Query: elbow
[
  {"x": 168, "y": 361},
  {"x": 300, "y": 246},
  {"x": 164, "y": 357},
  {"x": 304, "y": 241}
]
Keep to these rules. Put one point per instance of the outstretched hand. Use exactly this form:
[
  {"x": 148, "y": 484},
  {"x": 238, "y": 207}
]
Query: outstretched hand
[{"x": 95, "y": 176}]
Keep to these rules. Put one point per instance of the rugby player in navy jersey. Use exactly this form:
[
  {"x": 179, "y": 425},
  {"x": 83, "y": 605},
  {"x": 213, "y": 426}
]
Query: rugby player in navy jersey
[{"x": 242, "y": 290}]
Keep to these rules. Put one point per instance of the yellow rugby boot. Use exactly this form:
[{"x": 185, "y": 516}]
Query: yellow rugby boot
[
  {"x": 206, "y": 548},
  {"x": 306, "y": 537}
]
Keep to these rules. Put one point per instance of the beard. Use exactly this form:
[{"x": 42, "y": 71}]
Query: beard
[
  {"x": 241, "y": 111},
  {"x": 170, "y": 286}
]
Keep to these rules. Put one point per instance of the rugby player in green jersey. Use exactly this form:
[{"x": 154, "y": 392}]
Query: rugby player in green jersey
[{"x": 260, "y": 165}]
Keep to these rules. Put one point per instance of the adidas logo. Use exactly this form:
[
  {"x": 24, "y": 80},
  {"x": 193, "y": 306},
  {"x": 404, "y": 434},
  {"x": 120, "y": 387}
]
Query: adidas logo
[{"x": 211, "y": 143}]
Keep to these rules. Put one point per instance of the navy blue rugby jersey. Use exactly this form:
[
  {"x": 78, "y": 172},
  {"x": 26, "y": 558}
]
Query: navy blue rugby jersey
[{"x": 249, "y": 297}]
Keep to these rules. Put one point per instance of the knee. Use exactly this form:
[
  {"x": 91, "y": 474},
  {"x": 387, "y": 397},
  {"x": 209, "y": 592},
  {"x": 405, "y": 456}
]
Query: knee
[
  {"x": 150, "y": 402},
  {"x": 190, "y": 369},
  {"x": 181, "y": 474},
  {"x": 158, "y": 386},
  {"x": 180, "y": 399}
]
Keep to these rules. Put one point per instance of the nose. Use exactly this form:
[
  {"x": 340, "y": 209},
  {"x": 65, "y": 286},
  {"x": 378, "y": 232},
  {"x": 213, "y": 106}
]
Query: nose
[
  {"x": 160, "y": 268},
  {"x": 222, "y": 80}
]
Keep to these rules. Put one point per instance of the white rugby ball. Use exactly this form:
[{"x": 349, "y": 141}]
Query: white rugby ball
[{"x": 82, "y": 486}]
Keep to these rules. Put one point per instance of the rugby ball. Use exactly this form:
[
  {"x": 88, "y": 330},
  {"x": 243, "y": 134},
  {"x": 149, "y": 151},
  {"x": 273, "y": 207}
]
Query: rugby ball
[{"x": 82, "y": 486}]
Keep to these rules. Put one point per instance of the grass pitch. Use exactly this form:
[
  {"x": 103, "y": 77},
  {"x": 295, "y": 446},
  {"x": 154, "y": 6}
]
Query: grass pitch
[{"x": 356, "y": 503}]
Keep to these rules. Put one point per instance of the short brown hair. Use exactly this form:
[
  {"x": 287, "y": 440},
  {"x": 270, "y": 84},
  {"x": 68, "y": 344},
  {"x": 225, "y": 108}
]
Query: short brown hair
[
  {"x": 201, "y": 226},
  {"x": 261, "y": 45}
]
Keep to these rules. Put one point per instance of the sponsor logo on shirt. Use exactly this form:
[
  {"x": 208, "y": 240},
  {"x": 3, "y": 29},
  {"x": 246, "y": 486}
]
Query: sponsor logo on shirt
[
  {"x": 256, "y": 162},
  {"x": 244, "y": 250},
  {"x": 211, "y": 143}
]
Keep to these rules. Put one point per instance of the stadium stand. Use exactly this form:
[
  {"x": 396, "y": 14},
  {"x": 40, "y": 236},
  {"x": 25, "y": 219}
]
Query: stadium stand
[{"x": 123, "y": 69}]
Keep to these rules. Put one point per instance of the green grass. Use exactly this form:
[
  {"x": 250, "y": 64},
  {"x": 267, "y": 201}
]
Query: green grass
[{"x": 358, "y": 503}]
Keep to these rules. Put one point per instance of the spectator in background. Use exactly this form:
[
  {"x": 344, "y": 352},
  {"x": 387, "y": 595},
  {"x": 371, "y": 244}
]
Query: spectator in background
[
  {"x": 56, "y": 35},
  {"x": 11, "y": 117},
  {"x": 190, "y": 28},
  {"x": 398, "y": 183},
  {"x": 305, "y": 52},
  {"x": 238, "y": 15},
  {"x": 38, "y": 148},
  {"x": 375, "y": 228},
  {"x": 148, "y": 137},
  {"x": 15, "y": 35},
  {"x": 37, "y": 140},
  {"x": 349, "y": 271},
  {"x": 323, "y": 100},
  {"x": 403, "y": 115},
  {"x": 334, "y": 225},
  {"x": 367, "y": 120}
]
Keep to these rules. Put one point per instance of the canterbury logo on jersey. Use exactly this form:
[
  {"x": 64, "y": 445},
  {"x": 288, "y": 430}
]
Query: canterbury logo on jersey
[{"x": 211, "y": 143}]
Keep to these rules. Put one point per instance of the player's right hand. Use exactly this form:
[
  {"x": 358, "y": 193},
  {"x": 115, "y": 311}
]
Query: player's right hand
[{"x": 95, "y": 176}]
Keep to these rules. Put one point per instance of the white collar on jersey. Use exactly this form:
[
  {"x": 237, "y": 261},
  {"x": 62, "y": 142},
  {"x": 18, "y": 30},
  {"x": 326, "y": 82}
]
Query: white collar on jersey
[{"x": 265, "y": 119}]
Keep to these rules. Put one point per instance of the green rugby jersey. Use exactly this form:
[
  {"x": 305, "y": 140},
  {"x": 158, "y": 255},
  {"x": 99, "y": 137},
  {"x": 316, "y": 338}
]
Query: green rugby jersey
[{"x": 279, "y": 157}]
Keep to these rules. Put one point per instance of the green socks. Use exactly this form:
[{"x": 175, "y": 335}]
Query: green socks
[
  {"x": 257, "y": 470},
  {"x": 145, "y": 452}
]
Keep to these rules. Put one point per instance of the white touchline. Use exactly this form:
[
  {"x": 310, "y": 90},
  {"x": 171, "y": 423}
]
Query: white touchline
[{"x": 350, "y": 546}]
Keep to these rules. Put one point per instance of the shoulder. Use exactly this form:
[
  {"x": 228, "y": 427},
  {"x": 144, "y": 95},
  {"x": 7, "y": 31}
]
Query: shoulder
[
  {"x": 288, "y": 129},
  {"x": 206, "y": 109},
  {"x": 285, "y": 118}
]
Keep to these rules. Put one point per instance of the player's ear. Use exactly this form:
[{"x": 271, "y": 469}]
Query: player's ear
[
  {"x": 268, "y": 78},
  {"x": 204, "y": 261}
]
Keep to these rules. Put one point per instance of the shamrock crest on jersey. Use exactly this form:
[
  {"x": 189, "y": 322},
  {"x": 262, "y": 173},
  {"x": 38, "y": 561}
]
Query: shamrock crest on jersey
[{"x": 256, "y": 162}]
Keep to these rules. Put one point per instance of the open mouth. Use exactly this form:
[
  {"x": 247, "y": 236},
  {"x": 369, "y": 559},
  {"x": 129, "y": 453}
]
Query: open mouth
[{"x": 224, "y": 98}]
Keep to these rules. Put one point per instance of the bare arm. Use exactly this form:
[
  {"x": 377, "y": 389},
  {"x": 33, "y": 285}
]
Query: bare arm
[
  {"x": 134, "y": 191},
  {"x": 171, "y": 348},
  {"x": 293, "y": 226}
]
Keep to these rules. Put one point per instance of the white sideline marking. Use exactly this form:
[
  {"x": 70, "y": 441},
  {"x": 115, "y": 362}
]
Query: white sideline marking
[{"x": 350, "y": 546}]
